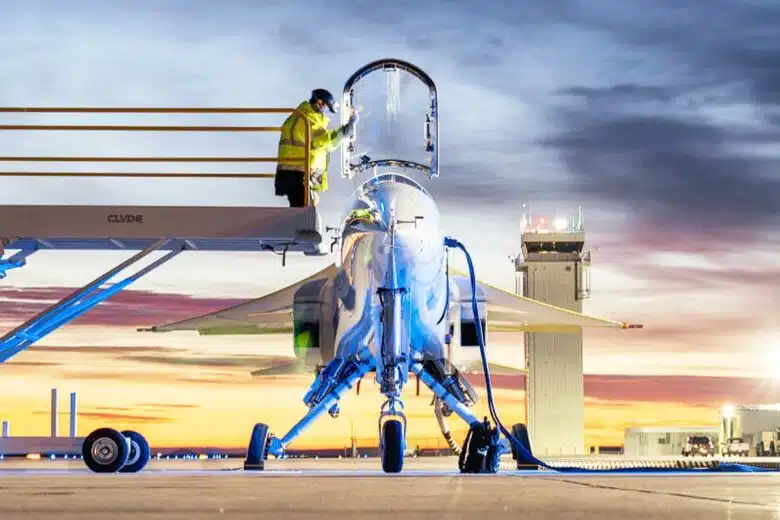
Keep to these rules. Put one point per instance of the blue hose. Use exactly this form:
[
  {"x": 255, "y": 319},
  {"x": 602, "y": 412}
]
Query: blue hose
[{"x": 729, "y": 467}]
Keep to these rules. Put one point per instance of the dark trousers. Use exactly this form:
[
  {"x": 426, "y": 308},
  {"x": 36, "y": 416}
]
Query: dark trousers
[{"x": 290, "y": 183}]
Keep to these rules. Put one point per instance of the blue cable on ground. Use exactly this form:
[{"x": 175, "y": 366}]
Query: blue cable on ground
[{"x": 727, "y": 467}]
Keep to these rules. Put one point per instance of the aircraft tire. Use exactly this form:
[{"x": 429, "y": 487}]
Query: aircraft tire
[
  {"x": 257, "y": 453},
  {"x": 520, "y": 432},
  {"x": 105, "y": 450},
  {"x": 139, "y": 454},
  {"x": 393, "y": 446}
]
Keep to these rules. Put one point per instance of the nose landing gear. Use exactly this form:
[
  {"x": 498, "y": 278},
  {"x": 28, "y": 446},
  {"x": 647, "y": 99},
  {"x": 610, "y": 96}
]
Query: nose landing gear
[{"x": 392, "y": 436}]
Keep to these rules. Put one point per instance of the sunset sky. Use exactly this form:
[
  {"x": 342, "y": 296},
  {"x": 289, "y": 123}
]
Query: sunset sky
[{"x": 660, "y": 119}]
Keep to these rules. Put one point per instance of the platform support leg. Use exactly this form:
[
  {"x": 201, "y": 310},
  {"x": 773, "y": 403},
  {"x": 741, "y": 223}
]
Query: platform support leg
[
  {"x": 348, "y": 378},
  {"x": 78, "y": 303},
  {"x": 15, "y": 261}
]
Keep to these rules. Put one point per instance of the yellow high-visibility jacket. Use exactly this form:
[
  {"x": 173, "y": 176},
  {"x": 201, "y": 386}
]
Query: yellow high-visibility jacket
[{"x": 292, "y": 144}]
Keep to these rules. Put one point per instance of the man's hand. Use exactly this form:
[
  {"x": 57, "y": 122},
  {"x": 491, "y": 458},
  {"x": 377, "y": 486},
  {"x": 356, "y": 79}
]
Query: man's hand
[
  {"x": 347, "y": 128},
  {"x": 354, "y": 118}
]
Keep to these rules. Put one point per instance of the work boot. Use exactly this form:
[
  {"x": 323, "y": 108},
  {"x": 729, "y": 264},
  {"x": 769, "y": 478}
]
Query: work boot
[{"x": 322, "y": 247}]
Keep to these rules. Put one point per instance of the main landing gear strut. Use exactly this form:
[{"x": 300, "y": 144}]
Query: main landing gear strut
[
  {"x": 336, "y": 378},
  {"x": 481, "y": 449}
]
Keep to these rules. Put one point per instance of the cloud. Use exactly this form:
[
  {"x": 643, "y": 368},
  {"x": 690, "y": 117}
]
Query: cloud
[
  {"x": 489, "y": 83},
  {"x": 168, "y": 405},
  {"x": 704, "y": 297},
  {"x": 211, "y": 361},
  {"x": 666, "y": 171},
  {"x": 623, "y": 92},
  {"x": 692, "y": 391},
  {"x": 661, "y": 126},
  {"x": 717, "y": 334},
  {"x": 127, "y": 308},
  {"x": 126, "y": 377},
  {"x": 673, "y": 276},
  {"x": 671, "y": 172},
  {"x": 685, "y": 149},
  {"x": 123, "y": 417},
  {"x": 16, "y": 363},
  {"x": 622, "y": 109},
  {"x": 688, "y": 390},
  {"x": 101, "y": 350},
  {"x": 730, "y": 49},
  {"x": 158, "y": 57}
]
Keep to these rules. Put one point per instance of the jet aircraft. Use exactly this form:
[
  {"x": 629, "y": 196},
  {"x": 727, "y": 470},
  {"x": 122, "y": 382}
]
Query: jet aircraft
[{"x": 389, "y": 304}]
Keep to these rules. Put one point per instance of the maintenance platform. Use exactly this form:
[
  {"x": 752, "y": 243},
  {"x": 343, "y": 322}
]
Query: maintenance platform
[{"x": 26, "y": 229}]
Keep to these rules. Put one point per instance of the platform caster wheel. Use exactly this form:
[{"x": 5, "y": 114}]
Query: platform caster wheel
[
  {"x": 257, "y": 453},
  {"x": 105, "y": 450},
  {"x": 139, "y": 454},
  {"x": 393, "y": 446}
]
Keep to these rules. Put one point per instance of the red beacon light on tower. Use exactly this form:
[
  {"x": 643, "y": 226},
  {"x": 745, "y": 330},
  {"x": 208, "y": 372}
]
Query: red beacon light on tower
[{"x": 545, "y": 224}]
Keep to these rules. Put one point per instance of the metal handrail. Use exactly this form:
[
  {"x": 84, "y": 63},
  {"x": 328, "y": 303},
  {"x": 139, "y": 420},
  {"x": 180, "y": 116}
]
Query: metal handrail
[{"x": 155, "y": 128}]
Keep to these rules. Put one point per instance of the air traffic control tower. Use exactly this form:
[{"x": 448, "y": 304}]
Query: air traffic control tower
[{"x": 553, "y": 268}]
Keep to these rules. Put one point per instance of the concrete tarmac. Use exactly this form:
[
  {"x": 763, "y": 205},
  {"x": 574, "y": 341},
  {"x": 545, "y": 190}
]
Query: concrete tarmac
[{"x": 347, "y": 489}]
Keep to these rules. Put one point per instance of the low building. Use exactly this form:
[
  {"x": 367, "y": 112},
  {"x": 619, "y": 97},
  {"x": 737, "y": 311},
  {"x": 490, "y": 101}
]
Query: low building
[
  {"x": 21, "y": 446},
  {"x": 54, "y": 444},
  {"x": 664, "y": 441},
  {"x": 754, "y": 424}
]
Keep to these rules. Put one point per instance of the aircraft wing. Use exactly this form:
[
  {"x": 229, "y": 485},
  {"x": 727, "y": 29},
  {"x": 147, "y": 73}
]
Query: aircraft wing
[
  {"x": 496, "y": 369},
  {"x": 272, "y": 314},
  {"x": 511, "y": 312},
  {"x": 269, "y": 314}
]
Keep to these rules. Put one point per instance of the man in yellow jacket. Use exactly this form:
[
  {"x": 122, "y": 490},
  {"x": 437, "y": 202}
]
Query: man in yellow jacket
[{"x": 289, "y": 179}]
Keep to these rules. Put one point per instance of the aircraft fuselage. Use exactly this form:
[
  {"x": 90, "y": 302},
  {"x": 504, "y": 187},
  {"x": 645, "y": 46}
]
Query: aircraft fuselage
[{"x": 392, "y": 293}]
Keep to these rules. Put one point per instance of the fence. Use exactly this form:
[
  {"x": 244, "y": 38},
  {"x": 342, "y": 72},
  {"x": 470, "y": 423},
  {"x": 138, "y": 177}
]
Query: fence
[{"x": 155, "y": 128}]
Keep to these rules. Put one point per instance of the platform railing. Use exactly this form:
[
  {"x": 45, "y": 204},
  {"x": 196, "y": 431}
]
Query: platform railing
[{"x": 156, "y": 128}]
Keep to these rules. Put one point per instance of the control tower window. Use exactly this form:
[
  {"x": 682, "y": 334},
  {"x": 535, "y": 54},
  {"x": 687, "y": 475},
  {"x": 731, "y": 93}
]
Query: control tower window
[{"x": 554, "y": 247}]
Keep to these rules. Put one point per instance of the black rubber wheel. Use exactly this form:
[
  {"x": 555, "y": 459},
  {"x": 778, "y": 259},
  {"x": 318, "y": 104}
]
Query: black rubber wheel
[
  {"x": 139, "y": 454},
  {"x": 520, "y": 432},
  {"x": 481, "y": 450},
  {"x": 257, "y": 453},
  {"x": 393, "y": 446},
  {"x": 105, "y": 450}
]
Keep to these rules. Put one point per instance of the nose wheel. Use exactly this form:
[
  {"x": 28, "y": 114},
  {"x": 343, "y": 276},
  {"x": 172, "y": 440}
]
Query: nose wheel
[{"x": 392, "y": 436}]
